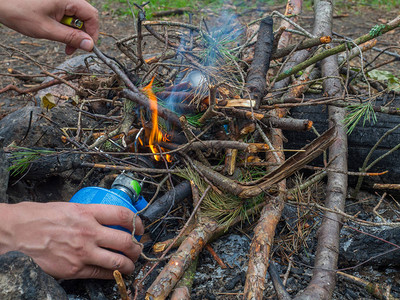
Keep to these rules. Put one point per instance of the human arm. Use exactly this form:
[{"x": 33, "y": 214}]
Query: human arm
[
  {"x": 41, "y": 19},
  {"x": 68, "y": 240}
]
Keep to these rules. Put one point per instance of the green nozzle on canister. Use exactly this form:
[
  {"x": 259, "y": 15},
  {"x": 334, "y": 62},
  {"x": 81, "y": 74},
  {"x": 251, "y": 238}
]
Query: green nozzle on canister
[{"x": 124, "y": 182}]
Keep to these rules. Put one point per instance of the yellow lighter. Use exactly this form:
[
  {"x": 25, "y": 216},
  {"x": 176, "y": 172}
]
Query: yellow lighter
[{"x": 72, "y": 22}]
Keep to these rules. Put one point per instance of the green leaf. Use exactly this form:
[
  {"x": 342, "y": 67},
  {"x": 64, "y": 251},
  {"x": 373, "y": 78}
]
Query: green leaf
[{"x": 392, "y": 81}]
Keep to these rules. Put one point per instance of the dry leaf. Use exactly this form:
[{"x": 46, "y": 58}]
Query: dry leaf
[{"x": 48, "y": 101}]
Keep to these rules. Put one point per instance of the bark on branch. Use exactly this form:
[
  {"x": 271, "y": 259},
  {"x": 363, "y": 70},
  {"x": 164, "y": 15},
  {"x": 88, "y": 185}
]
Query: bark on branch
[
  {"x": 324, "y": 276},
  {"x": 309, "y": 43}
]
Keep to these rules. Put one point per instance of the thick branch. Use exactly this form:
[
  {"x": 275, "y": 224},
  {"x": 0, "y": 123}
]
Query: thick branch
[
  {"x": 309, "y": 43},
  {"x": 256, "y": 77},
  {"x": 272, "y": 121},
  {"x": 180, "y": 261},
  {"x": 324, "y": 276},
  {"x": 293, "y": 8},
  {"x": 261, "y": 247}
]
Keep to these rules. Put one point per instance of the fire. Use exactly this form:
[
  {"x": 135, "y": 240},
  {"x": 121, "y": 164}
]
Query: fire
[{"x": 156, "y": 135}]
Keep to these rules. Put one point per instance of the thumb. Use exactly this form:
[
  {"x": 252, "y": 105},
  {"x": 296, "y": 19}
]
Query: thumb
[{"x": 73, "y": 38}]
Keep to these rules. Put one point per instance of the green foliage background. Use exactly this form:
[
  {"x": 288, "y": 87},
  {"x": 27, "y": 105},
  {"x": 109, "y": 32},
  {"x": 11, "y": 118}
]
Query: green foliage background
[{"x": 122, "y": 7}]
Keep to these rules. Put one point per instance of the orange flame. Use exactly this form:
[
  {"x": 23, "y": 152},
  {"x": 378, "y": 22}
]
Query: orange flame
[{"x": 156, "y": 135}]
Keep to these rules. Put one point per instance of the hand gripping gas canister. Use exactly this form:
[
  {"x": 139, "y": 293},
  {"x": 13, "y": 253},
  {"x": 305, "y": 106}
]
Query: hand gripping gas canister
[{"x": 124, "y": 191}]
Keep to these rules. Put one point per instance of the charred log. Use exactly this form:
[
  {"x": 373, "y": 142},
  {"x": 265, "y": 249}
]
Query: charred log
[
  {"x": 370, "y": 250},
  {"x": 52, "y": 165},
  {"x": 256, "y": 82},
  {"x": 360, "y": 141},
  {"x": 163, "y": 204}
]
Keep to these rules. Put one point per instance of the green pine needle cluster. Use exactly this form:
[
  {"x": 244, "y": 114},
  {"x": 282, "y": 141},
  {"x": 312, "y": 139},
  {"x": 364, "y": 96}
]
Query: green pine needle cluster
[
  {"x": 364, "y": 111},
  {"x": 194, "y": 119},
  {"x": 24, "y": 157},
  {"x": 224, "y": 208}
]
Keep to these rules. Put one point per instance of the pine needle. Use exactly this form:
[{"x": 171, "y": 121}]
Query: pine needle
[
  {"x": 363, "y": 111},
  {"x": 23, "y": 158},
  {"x": 224, "y": 208}
]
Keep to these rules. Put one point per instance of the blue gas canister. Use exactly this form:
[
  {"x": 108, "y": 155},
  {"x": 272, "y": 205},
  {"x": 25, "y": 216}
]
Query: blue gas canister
[{"x": 124, "y": 191}]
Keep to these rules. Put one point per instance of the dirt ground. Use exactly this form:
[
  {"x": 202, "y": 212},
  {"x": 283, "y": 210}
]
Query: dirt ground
[{"x": 211, "y": 282}]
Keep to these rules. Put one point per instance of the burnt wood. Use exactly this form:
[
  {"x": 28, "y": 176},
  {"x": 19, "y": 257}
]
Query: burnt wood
[
  {"x": 256, "y": 76},
  {"x": 360, "y": 141},
  {"x": 162, "y": 205}
]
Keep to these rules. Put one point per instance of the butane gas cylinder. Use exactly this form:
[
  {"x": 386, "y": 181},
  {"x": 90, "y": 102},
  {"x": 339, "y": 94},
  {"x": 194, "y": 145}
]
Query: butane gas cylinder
[{"x": 124, "y": 191}]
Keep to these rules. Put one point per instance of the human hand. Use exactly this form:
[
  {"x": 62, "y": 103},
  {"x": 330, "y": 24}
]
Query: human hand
[
  {"x": 41, "y": 19},
  {"x": 68, "y": 240}
]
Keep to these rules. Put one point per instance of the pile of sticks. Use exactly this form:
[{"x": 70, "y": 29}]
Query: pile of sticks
[{"x": 223, "y": 98}]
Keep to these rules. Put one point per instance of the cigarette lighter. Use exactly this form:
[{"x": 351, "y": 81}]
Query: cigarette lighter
[{"x": 72, "y": 22}]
